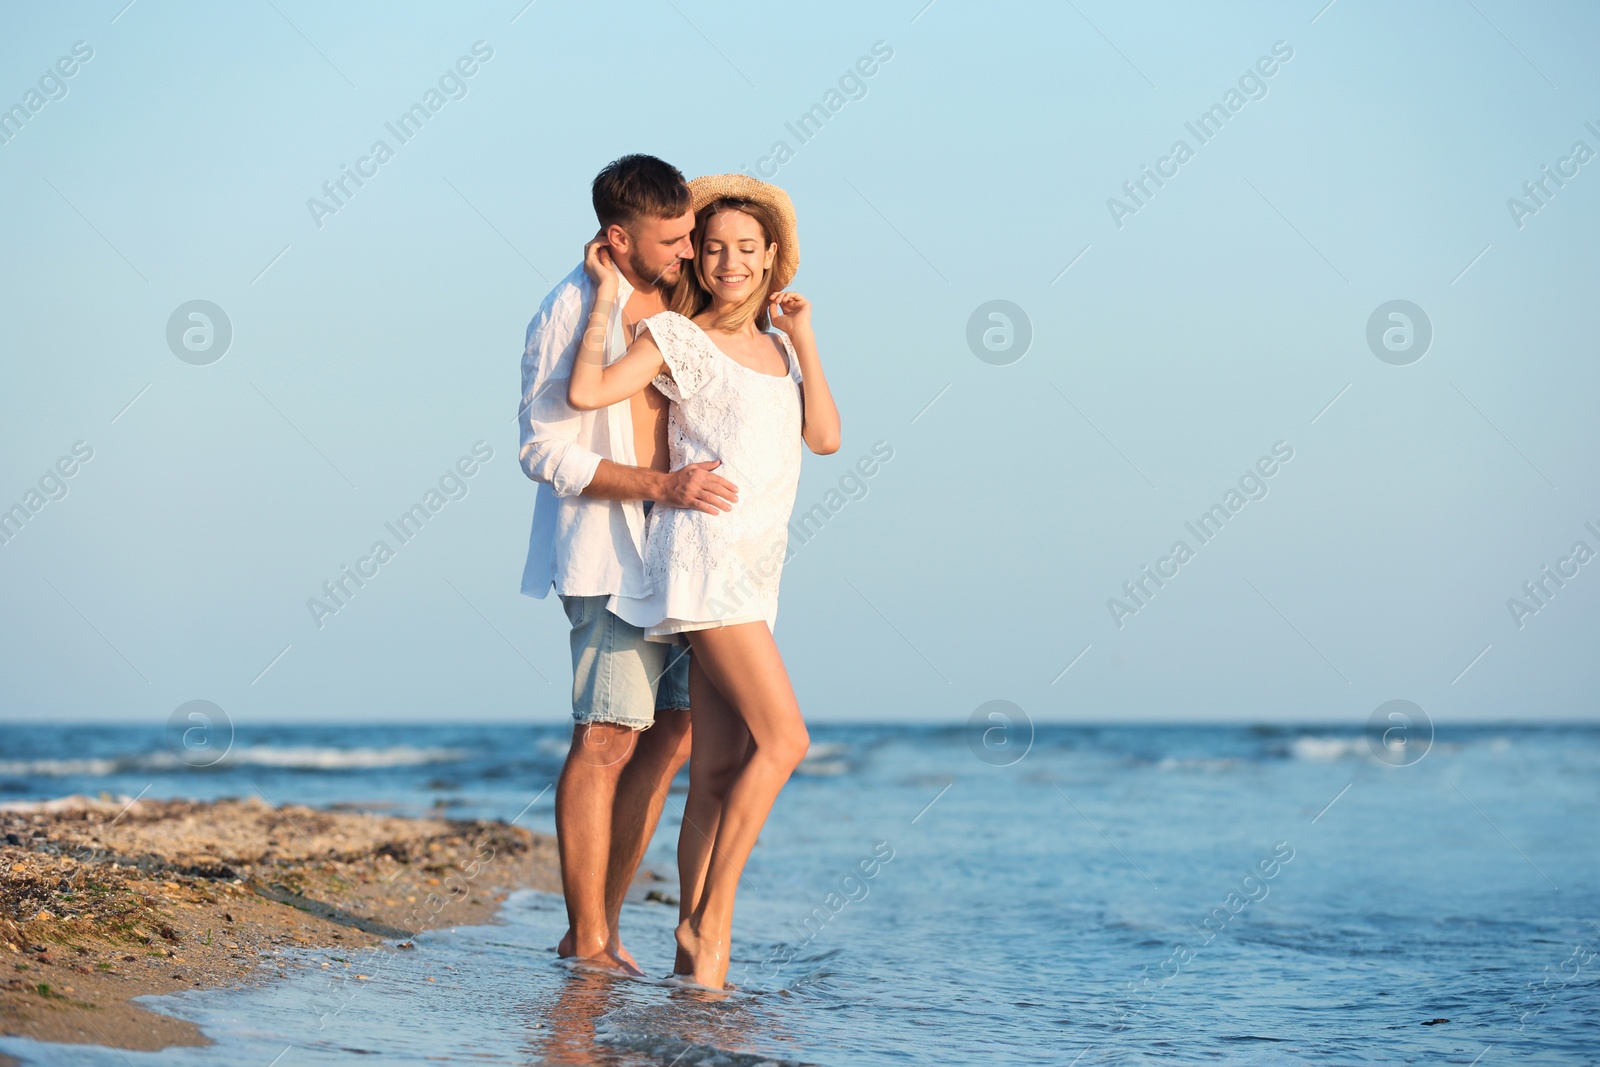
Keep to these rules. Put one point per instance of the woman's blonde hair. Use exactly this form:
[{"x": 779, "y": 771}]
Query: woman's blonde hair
[{"x": 692, "y": 295}]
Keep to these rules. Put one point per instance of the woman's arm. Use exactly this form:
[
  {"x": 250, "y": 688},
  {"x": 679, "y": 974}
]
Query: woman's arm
[
  {"x": 819, "y": 415},
  {"x": 594, "y": 384}
]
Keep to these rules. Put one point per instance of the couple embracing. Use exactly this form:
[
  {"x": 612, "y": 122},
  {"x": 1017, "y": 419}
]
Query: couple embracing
[{"x": 668, "y": 386}]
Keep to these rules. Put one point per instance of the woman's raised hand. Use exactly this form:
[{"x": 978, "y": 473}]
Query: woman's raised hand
[
  {"x": 790, "y": 312},
  {"x": 597, "y": 262}
]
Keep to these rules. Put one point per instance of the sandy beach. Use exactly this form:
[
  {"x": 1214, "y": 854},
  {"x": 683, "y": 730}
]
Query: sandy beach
[{"x": 104, "y": 900}]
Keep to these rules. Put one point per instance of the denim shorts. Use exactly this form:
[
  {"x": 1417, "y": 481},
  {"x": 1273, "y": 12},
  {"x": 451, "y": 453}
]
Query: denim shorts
[{"x": 617, "y": 675}]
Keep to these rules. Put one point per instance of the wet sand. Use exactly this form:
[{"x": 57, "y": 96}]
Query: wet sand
[{"x": 102, "y": 901}]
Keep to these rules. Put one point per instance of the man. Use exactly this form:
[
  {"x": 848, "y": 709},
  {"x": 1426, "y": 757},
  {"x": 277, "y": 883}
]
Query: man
[{"x": 598, "y": 472}]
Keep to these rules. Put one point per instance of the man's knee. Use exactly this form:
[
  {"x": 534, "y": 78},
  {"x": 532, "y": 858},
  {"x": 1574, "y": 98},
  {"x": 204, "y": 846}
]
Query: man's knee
[{"x": 601, "y": 746}]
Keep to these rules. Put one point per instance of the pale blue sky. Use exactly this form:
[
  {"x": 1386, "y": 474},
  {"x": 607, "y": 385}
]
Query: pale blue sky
[{"x": 370, "y": 353}]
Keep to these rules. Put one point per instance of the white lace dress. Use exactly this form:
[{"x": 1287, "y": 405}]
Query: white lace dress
[{"x": 714, "y": 570}]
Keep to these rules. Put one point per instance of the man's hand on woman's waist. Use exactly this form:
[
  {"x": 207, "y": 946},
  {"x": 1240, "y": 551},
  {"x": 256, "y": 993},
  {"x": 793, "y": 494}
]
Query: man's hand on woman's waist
[{"x": 693, "y": 486}]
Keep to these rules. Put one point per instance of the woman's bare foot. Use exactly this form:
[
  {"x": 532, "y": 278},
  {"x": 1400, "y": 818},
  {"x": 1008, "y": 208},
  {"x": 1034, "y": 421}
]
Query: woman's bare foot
[
  {"x": 683, "y": 967},
  {"x": 708, "y": 954},
  {"x": 685, "y": 937}
]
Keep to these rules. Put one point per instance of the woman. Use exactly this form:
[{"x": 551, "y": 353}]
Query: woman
[{"x": 747, "y": 397}]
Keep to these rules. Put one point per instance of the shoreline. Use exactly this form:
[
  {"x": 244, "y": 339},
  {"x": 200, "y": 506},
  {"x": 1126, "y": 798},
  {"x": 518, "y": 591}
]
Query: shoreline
[{"x": 105, "y": 900}]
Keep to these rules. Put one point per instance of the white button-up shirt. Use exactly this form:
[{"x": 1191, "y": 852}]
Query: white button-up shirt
[{"x": 579, "y": 545}]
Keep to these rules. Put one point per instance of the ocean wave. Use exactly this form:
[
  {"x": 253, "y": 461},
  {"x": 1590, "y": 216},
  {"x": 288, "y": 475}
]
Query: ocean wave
[
  {"x": 1219, "y": 763},
  {"x": 631, "y": 1031},
  {"x": 822, "y": 768},
  {"x": 554, "y": 746},
  {"x": 333, "y": 759},
  {"x": 76, "y": 802},
  {"x": 825, "y": 759},
  {"x": 1325, "y": 749},
  {"x": 287, "y": 757},
  {"x": 61, "y": 768}
]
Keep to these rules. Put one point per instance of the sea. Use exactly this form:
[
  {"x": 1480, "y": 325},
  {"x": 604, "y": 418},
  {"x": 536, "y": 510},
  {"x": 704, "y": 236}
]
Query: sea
[{"x": 971, "y": 894}]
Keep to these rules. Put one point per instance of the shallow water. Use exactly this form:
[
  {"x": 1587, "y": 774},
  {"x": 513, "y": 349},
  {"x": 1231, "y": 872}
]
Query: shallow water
[{"x": 1106, "y": 899}]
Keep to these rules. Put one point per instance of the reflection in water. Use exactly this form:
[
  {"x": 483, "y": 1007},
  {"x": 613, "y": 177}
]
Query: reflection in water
[
  {"x": 561, "y": 1028},
  {"x": 597, "y": 1018}
]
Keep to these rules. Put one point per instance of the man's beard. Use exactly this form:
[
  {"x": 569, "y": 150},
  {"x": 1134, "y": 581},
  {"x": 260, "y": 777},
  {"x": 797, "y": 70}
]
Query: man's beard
[{"x": 665, "y": 276}]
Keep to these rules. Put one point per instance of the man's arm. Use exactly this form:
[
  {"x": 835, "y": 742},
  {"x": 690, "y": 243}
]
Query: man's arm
[
  {"x": 549, "y": 426},
  {"x": 618, "y": 481},
  {"x": 694, "y": 486}
]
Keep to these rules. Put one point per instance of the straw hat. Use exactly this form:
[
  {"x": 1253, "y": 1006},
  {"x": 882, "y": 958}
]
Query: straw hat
[{"x": 714, "y": 187}]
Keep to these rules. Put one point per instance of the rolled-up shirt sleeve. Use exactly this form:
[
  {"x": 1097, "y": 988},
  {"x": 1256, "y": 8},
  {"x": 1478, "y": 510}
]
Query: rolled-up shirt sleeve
[{"x": 550, "y": 427}]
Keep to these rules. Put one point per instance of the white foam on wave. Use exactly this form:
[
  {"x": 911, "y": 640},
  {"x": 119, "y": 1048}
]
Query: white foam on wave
[
  {"x": 60, "y": 768},
  {"x": 1324, "y": 749},
  {"x": 825, "y": 759},
  {"x": 333, "y": 759},
  {"x": 823, "y": 768},
  {"x": 286, "y": 757},
  {"x": 1220, "y": 763},
  {"x": 76, "y": 802}
]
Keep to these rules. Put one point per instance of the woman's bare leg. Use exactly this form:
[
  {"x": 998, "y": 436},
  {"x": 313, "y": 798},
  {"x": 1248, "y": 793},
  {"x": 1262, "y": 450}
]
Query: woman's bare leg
[
  {"x": 743, "y": 663},
  {"x": 718, "y": 746}
]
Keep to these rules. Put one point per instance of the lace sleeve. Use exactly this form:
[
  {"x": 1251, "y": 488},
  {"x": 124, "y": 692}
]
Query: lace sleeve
[{"x": 687, "y": 351}]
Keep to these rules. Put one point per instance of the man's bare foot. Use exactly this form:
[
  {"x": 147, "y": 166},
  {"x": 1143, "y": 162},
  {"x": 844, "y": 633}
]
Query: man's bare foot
[
  {"x": 708, "y": 955},
  {"x": 602, "y": 961},
  {"x": 622, "y": 956},
  {"x": 592, "y": 953}
]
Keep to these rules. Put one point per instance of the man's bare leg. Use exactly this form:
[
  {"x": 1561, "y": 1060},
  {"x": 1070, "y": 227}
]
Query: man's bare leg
[
  {"x": 585, "y": 809},
  {"x": 641, "y": 794}
]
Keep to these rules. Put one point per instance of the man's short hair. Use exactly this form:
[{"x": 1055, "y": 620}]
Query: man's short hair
[{"x": 639, "y": 186}]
